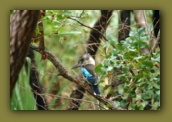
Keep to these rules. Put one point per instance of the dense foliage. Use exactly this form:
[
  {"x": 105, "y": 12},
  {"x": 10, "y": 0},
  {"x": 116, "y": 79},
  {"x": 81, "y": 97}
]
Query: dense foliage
[{"x": 140, "y": 73}]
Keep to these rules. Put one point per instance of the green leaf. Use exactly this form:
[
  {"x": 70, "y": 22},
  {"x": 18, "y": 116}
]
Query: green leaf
[
  {"x": 148, "y": 63},
  {"x": 125, "y": 70},
  {"x": 111, "y": 92},
  {"x": 128, "y": 40},
  {"x": 156, "y": 79},
  {"x": 138, "y": 96},
  {"x": 98, "y": 68},
  {"x": 119, "y": 47},
  {"x": 106, "y": 87},
  {"x": 123, "y": 103},
  {"x": 117, "y": 103},
  {"x": 133, "y": 33},
  {"x": 115, "y": 52},
  {"x": 142, "y": 31},
  {"x": 140, "y": 79},
  {"x": 143, "y": 104},
  {"x": 106, "y": 63},
  {"x": 134, "y": 106},
  {"x": 121, "y": 56},
  {"x": 157, "y": 59},
  {"x": 142, "y": 44},
  {"x": 110, "y": 68},
  {"x": 120, "y": 89},
  {"x": 144, "y": 38},
  {"x": 125, "y": 46},
  {"x": 158, "y": 92},
  {"x": 106, "y": 44},
  {"x": 148, "y": 94},
  {"x": 120, "y": 76},
  {"x": 138, "y": 58},
  {"x": 85, "y": 31},
  {"x": 125, "y": 96},
  {"x": 157, "y": 86},
  {"x": 155, "y": 105},
  {"x": 132, "y": 94},
  {"x": 103, "y": 70},
  {"x": 130, "y": 54},
  {"x": 157, "y": 98},
  {"x": 139, "y": 65},
  {"x": 112, "y": 42},
  {"x": 109, "y": 105}
]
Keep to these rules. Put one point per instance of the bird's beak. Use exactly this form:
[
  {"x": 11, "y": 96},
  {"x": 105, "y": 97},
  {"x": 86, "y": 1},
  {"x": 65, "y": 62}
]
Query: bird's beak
[{"x": 76, "y": 66}]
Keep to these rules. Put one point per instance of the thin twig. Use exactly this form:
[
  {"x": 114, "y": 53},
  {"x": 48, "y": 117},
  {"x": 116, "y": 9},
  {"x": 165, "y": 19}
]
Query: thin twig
[
  {"x": 146, "y": 24},
  {"x": 157, "y": 42},
  {"x": 88, "y": 27}
]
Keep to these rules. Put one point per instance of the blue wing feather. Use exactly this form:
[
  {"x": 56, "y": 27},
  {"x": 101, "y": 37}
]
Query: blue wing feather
[
  {"x": 92, "y": 79},
  {"x": 85, "y": 72}
]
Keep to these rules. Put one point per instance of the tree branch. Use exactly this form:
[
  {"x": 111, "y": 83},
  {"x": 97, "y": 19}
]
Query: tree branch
[{"x": 63, "y": 72}]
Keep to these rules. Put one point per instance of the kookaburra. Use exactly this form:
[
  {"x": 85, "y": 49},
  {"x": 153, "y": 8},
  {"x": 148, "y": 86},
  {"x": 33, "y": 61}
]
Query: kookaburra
[{"x": 87, "y": 66}]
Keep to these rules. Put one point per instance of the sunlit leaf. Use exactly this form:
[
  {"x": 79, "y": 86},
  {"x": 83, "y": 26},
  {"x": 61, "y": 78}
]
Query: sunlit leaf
[
  {"x": 106, "y": 87},
  {"x": 117, "y": 103},
  {"x": 98, "y": 68},
  {"x": 109, "y": 68},
  {"x": 120, "y": 89},
  {"x": 148, "y": 63}
]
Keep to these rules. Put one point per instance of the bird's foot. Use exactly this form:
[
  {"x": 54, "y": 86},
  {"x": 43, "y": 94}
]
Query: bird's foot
[{"x": 99, "y": 95}]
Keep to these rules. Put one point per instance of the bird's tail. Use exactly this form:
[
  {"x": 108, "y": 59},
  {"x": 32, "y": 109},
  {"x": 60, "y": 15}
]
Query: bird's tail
[{"x": 96, "y": 89}]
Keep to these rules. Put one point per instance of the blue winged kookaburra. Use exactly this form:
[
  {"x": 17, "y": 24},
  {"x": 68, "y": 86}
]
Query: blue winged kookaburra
[{"x": 87, "y": 65}]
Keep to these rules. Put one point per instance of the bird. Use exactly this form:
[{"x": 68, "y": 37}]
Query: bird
[{"x": 87, "y": 67}]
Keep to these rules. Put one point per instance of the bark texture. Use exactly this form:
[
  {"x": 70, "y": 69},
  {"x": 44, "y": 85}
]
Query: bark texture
[{"x": 22, "y": 26}]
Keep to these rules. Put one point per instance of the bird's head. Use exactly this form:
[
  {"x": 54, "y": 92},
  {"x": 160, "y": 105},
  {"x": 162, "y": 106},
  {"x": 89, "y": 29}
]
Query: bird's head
[{"x": 84, "y": 60}]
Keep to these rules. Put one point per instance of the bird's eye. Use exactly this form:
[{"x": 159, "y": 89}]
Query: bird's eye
[{"x": 81, "y": 60}]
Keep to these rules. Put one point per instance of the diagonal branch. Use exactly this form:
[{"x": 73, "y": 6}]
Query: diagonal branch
[
  {"x": 64, "y": 73},
  {"x": 95, "y": 37}
]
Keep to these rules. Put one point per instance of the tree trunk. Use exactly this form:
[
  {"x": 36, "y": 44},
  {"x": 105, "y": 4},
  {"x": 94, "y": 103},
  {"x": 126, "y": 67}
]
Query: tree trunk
[
  {"x": 22, "y": 26},
  {"x": 124, "y": 25},
  {"x": 140, "y": 18},
  {"x": 156, "y": 22},
  {"x": 95, "y": 37}
]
